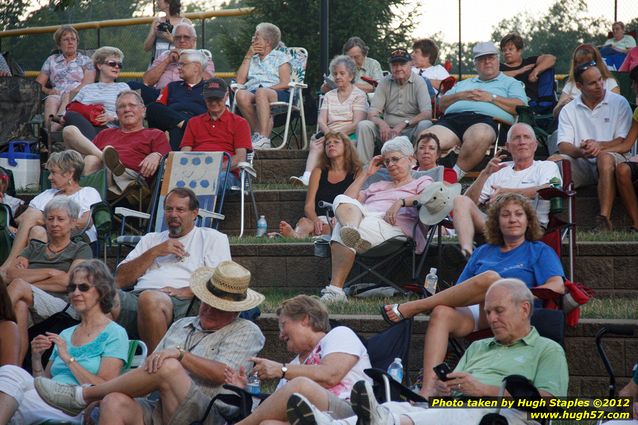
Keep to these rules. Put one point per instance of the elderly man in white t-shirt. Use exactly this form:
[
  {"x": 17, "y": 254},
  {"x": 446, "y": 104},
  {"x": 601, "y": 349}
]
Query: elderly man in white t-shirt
[
  {"x": 591, "y": 131},
  {"x": 523, "y": 175},
  {"x": 160, "y": 267}
]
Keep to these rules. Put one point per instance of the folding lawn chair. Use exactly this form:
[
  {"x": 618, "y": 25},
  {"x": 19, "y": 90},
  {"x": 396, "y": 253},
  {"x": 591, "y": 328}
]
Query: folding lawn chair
[{"x": 198, "y": 171}]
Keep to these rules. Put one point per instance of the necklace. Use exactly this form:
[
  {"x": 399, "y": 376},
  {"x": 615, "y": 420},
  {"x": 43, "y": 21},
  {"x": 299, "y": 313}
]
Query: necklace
[{"x": 54, "y": 252}]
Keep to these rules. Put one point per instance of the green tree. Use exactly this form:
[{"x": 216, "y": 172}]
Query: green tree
[
  {"x": 383, "y": 24},
  {"x": 565, "y": 25}
]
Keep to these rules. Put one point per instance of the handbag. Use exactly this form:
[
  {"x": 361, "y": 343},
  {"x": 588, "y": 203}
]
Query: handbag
[
  {"x": 90, "y": 112},
  {"x": 55, "y": 323}
]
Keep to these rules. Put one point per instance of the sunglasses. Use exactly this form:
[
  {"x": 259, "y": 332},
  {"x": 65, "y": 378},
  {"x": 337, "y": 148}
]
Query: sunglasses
[
  {"x": 83, "y": 287},
  {"x": 578, "y": 71},
  {"x": 114, "y": 64}
]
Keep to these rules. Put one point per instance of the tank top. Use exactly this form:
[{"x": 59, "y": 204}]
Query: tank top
[{"x": 327, "y": 191}]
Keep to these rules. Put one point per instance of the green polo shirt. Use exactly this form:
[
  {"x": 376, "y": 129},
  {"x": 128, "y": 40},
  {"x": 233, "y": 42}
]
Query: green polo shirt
[{"x": 539, "y": 359}]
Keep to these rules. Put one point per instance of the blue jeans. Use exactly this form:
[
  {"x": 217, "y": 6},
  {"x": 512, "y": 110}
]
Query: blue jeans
[{"x": 232, "y": 180}]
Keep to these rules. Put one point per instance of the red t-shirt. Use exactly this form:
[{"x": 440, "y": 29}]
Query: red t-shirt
[
  {"x": 229, "y": 133},
  {"x": 133, "y": 147}
]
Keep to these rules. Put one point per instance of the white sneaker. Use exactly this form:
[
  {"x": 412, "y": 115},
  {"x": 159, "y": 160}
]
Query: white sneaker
[
  {"x": 368, "y": 410},
  {"x": 300, "y": 411},
  {"x": 255, "y": 137},
  {"x": 299, "y": 181},
  {"x": 329, "y": 295},
  {"x": 351, "y": 238},
  {"x": 262, "y": 143},
  {"x": 58, "y": 395}
]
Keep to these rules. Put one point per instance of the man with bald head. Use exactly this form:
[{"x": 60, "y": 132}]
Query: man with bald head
[
  {"x": 522, "y": 175},
  {"x": 591, "y": 132}
]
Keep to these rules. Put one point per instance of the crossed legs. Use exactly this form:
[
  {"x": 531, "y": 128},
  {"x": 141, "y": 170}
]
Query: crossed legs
[
  {"x": 74, "y": 139},
  {"x": 468, "y": 220},
  {"x": 154, "y": 316}
]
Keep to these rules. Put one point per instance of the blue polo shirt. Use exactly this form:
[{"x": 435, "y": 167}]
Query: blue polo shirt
[
  {"x": 181, "y": 96},
  {"x": 501, "y": 85}
]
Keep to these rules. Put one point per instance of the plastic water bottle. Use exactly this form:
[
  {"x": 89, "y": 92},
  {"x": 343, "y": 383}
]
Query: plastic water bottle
[
  {"x": 431, "y": 280},
  {"x": 262, "y": 226},
  {"x": 395, "y": 370},
  {"x": 253, "y": 384},
  {"x": 556, "y": 204}
]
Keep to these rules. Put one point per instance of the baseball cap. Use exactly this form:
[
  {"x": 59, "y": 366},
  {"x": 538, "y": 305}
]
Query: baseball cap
[
  {"x": 399, "y": 55},
  {"x": 484, "y": 48},
  {"x": 215, "y": 87}
]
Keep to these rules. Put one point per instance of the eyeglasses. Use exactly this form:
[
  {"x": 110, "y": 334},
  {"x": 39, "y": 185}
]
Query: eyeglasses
[
  {"x": 182, "y": 37},
  {"x": 83, "y": 287},
  {"x": 392, "y": 160},
  {"x": 114, "y": 64},
  {"x": 183, "y": 64}
]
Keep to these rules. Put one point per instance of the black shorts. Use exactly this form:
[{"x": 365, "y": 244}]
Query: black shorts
[
  {"x": 633, "y": 166},
  {"x": 459, "y": 122}
]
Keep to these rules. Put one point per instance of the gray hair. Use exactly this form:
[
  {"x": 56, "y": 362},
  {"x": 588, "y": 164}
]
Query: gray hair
[
  {"x": 195, "y": 56},
  {"x": 100, "y": 55},
  {"x": 99, "y": 276},
  {"x": 519, "y": 292},
  {"x": 190, "y": 27},
  {"x": 526, "y": 126},
  {"x": 68, "y": 160},
  {"x": 398, "y": 144},
  {"x": 355, "y": 42},
  {"x": 135, "y": 93},
  {"x": 346, "y": 61},
  {"x": 63, "y": 203},
  {"x": 270, "y": 32}
]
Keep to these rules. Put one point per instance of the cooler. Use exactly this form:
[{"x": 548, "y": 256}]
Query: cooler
[{"x": 24, "y": 165}]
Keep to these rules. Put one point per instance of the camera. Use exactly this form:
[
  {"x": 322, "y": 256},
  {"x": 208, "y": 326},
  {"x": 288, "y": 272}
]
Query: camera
[{"x": 165, "y": 27}]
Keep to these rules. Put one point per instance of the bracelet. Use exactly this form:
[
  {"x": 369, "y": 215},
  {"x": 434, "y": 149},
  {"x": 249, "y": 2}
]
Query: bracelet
[{"x": 181, "y": 353}]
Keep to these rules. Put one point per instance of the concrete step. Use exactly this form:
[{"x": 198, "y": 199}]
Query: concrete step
[
  {"x": 609, "y": 268},
  {"x": 586, "y": 372},
  {"x": 276, "y": 166}
]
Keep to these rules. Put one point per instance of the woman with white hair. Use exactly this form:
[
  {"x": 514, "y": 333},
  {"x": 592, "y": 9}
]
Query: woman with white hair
[
  {"x": 108, "y": 64},
  {"x": 180, "y": 100},
  {"x": 367, "y": 218},
  {"x": 265, "y": 73}
]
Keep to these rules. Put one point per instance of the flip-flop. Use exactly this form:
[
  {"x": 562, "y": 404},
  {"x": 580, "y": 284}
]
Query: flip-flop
[{"x": 395, "y": 310}]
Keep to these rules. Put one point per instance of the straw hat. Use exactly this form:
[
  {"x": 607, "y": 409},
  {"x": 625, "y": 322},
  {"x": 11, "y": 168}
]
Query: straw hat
[
  {"x": 225, "y": 287},
  {"x": 436, "y": 202}
]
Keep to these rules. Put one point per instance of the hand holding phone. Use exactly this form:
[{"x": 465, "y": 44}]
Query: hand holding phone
[{"x": 442, "y": 371}]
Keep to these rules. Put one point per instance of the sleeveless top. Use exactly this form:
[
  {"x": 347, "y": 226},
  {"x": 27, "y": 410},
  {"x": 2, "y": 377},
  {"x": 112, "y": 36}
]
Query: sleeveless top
[{"x": 327, "y": 191}]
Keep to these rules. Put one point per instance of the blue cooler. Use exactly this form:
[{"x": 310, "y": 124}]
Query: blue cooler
[{"x": 24, "y": 165}]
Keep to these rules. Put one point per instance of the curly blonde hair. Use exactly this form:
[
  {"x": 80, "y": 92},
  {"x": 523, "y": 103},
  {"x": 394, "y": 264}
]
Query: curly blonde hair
[
  {"x": 350, "y": 157},
  {"x": 493, "y": 233}
]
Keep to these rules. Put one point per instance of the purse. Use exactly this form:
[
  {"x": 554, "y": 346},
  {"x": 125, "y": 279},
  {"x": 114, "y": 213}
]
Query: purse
[{"x": 90, "y": 112}]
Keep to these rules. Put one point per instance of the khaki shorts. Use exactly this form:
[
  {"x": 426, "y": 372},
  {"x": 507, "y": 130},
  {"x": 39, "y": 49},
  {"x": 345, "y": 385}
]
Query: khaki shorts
[
  {"x": 128, "y": 309},
  {"x": 191, "y": 409},
  {"x": 585, "y": 172},
  {"x": 46, "y": 305}
]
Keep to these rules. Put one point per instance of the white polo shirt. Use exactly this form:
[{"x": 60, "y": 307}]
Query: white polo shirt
[{"x": 609, "y": 119}]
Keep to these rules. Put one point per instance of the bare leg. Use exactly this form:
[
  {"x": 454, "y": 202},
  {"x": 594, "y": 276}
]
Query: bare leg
[
  {"x": 120, "y": 409},
  {"x": 21, "y": 299},
  {"x": 263, "y": 98},
  {"x": 446, "y": 136},
  {"x": 316, "y": 146},
  {"x": 472, "y": 291},
  {"x": 39, "y": 233},
  {"x": 606, "y": 183},
  {"x": 154, "y": 316},
  {"x": 26, "y": 221},
  {"x": 8, "y": 406},
  {"x": 51, "y": 107},
  {"x": 304, "y": 229},
  {"x": 476, "y": 141},
  {"x": 246, "y": 104},
  {"x": 74, "y": 139},
  {"x": 443, "y": 322},
  {"x": 274, "y": 407},
  {"x": 468, "y": 219},
  {"x": 627, "y": 192},
  {"x": 342, "y": 259},
  {"x": 348, "y": 215}
]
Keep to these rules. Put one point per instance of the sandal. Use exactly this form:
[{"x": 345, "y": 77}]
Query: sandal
[{"x": 395, "y": 310}]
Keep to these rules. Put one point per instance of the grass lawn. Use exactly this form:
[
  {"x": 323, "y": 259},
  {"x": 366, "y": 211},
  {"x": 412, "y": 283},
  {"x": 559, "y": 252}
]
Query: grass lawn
[{"x": 597, "y": 308}]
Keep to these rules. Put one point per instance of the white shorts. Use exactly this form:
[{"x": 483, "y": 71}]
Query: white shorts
[
  {"x": 373, "y": 228},
  {"x": 46, "y": 305}
]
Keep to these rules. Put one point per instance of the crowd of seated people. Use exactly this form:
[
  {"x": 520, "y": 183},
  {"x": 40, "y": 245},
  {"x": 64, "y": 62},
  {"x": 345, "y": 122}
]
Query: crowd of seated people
[{"x": 179, "y": 290}]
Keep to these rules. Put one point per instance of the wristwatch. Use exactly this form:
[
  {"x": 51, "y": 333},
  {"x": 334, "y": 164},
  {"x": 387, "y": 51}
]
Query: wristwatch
[
  {"x": 407, "y": 123},
  {"x": 284, "y": 369},
  {"x": 494, "y": 98}
]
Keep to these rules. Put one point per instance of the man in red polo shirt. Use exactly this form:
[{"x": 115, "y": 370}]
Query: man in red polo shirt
[
  {"x": 219, "y": 130},
  {"x": 128, "y": 151}
]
